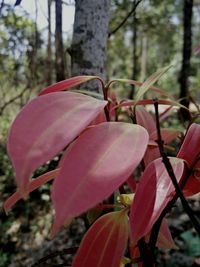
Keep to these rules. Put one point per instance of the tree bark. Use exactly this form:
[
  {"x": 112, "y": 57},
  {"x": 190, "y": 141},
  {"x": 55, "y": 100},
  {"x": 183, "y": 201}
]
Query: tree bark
[
  {"x": 144, "y": 57},
  {"x": 60, "y": 68},
  {"x": 89, "y": 40},
  {"x": 135, "y": 59},
  {"x": 187, "y": 46}
]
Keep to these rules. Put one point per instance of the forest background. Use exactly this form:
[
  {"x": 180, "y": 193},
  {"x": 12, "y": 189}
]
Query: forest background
[{"x": 143, "y": 36}]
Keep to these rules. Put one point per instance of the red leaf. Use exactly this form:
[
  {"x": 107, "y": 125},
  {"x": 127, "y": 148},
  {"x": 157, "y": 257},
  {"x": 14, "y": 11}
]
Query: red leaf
[
  {"x": 67, "y": 84},
  {"x": 44, "y": 127},
  {"x": 34, "y": 184},
  {"x": 192, "y": 185},
  {"x": 102, "y": 158},
  {"x": 105, "y": 242},
  {"x": 151, "y": 154},
  {"x": 167, "y": 135},
  {"x": 191, "y": 145},
  {"x": 154, "y": 191},
  {"x": 189, "y": 151},
  {"x": 145, "y": 119},
  {"x": 131, "y": 183}
]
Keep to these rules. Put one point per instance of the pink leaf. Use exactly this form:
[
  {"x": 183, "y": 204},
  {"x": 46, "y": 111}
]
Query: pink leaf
[
  {"x": 67, "y": 84},
  {"x": 102, "y": 158},
  {"x": 105, "y": 242},
  {"x": 191, "y": 145},
  {"x": 44, "y": 127},
  {"x": 34, "y": 184},
  {"x": 154, "y": 191},
  {"x": 145, "y": 119},
  {"x": 151, "y": 154}
]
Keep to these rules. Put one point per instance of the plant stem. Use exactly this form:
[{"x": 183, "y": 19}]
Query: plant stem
[
  {"x": 55, "y": 254},
  {"x": 147, "y": 255},
  {"x": 170, "y": 171}
]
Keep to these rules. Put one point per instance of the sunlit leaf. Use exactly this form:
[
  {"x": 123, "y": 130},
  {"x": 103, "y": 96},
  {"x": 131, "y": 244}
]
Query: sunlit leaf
[
  {"x": 100, "y": 161},
  {"x": 139, "y": 84},
  {"x": 105, "y": 242},
  {"x": 67, "y": 84},
  {"x": 149, "y": 82},
  {"x": 154, "y": 191},
  {"x": 34, "y": 184},
  {"x": 144, "y": 102},
  {"x": 44, "y": 127}
]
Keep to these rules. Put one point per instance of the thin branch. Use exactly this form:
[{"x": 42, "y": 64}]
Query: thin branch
[
  {"x": 18, "y": 2},
  {"x": 157, "y": 225},
  {"x": 55, "y": 254},
  {"x": 125, "y": 19},
  {"x": 11, "y": 101},
  {"x": 171, "y": 174}
]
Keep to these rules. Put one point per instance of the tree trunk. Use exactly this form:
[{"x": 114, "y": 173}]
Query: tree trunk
[
  {"x": 187, "y": 46},
  {"x": 144, "y": 58},
  {"x": 60, "y": 69},
  {"x": 49, "y": 48},
  {"x": 135, "y": 61},
  {"x": 89, "y": 41}
]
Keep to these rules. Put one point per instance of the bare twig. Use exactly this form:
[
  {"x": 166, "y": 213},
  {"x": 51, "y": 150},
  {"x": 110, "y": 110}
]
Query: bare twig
[
  {"x": 18, "y": 2},
  {"x": 11, "y": 101},
  {"x": 171, "y": 174},
  {"x": 156, "y": 227},
  {"x": 55, "y": 254},
  {"x": 125, "y": 19}
]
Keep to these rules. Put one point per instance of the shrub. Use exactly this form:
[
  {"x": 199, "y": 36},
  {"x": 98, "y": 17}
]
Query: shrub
[{"x": 107, "y": 146}]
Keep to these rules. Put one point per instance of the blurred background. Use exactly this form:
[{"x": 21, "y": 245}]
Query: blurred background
[{"x": 46, "y": 41}]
